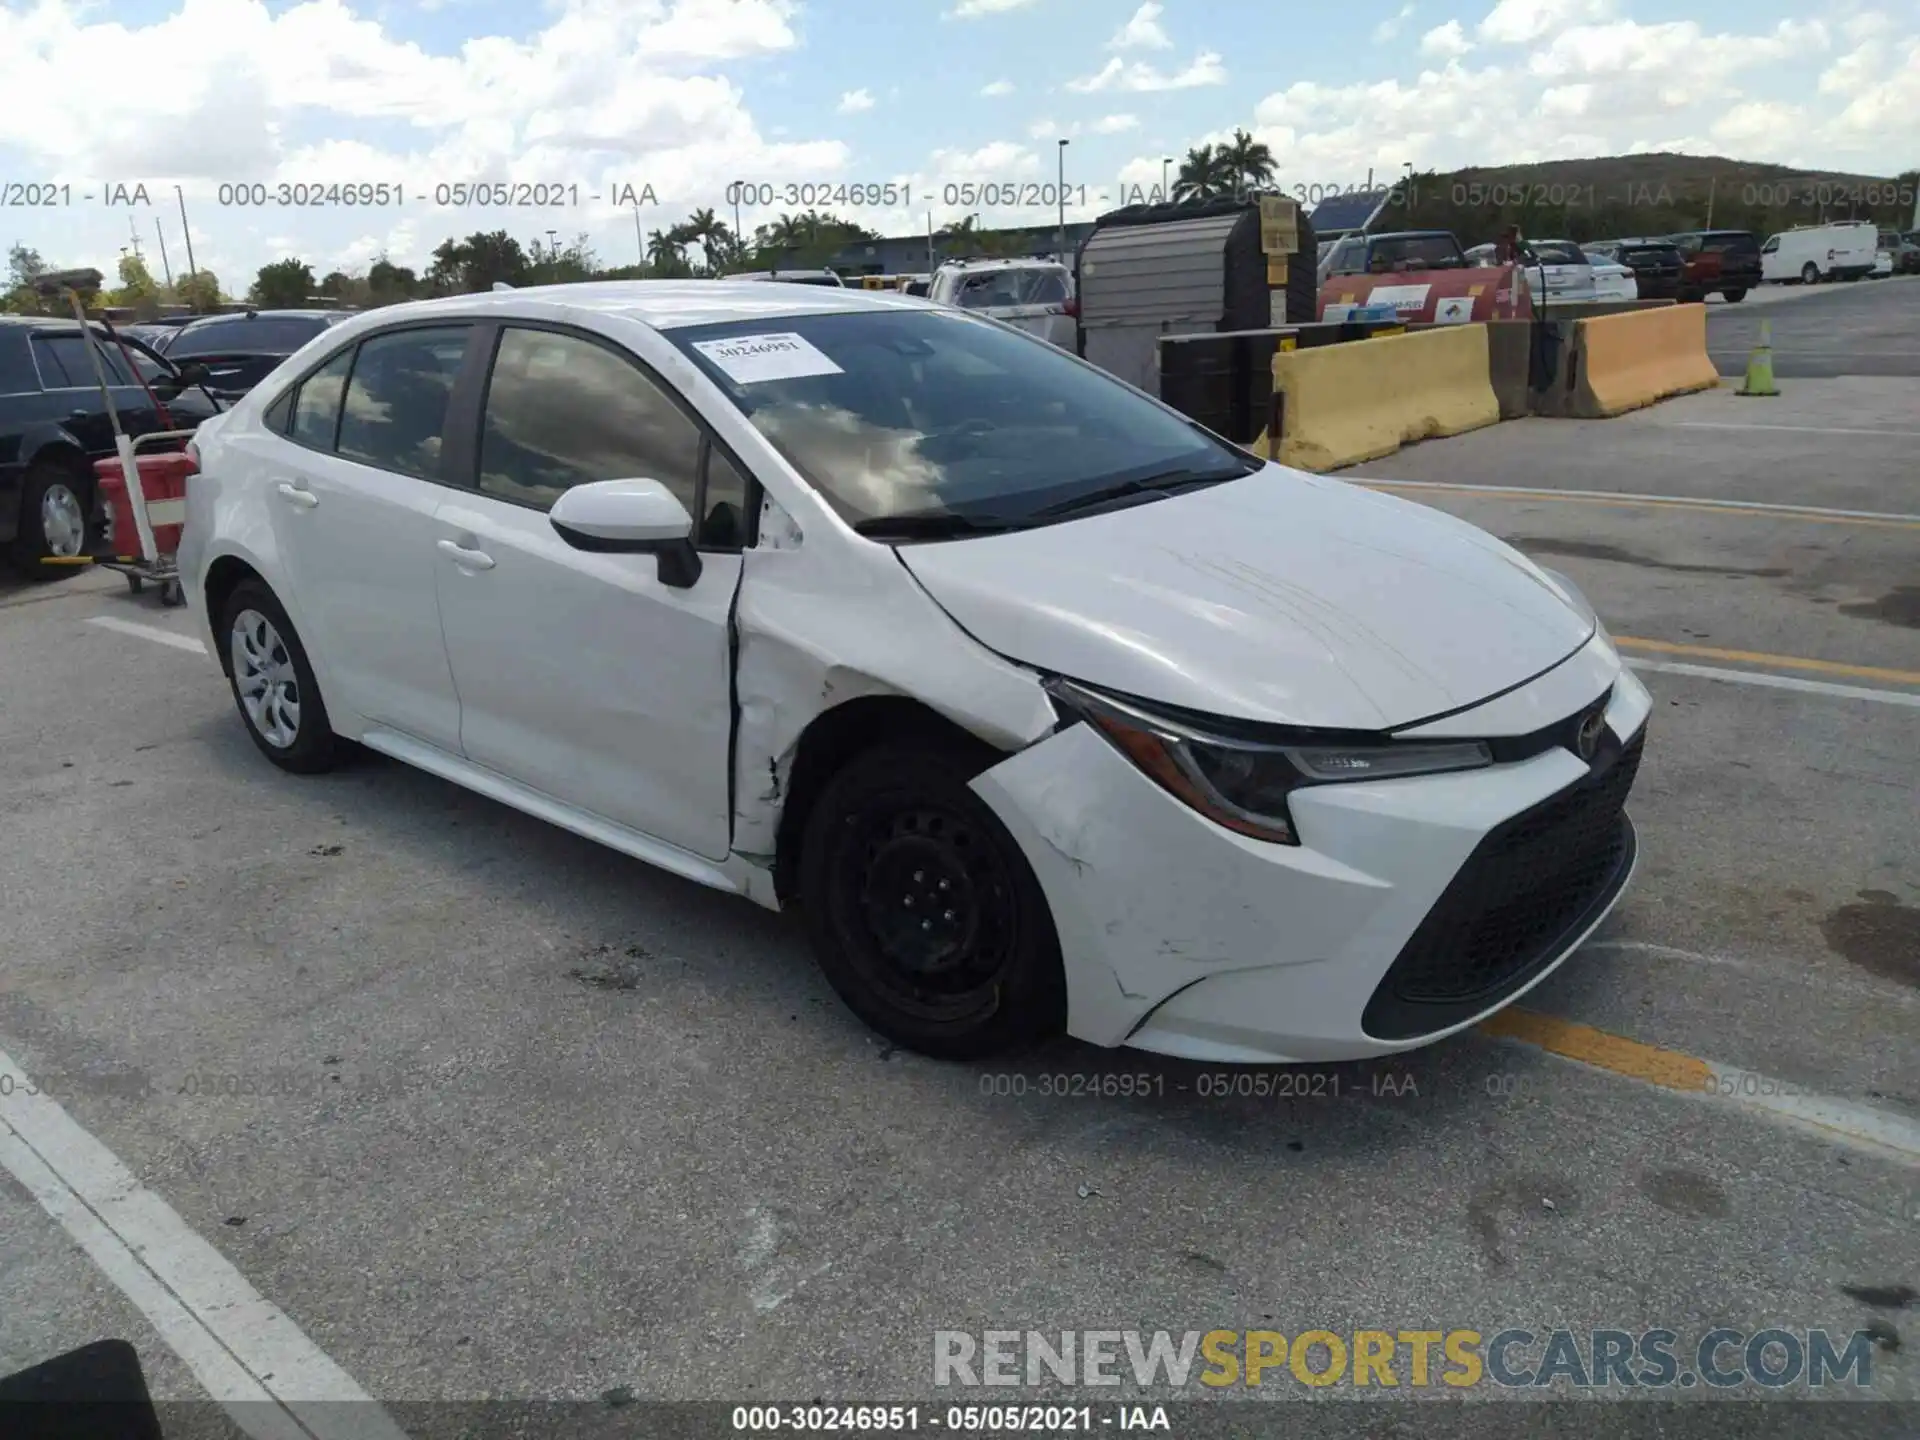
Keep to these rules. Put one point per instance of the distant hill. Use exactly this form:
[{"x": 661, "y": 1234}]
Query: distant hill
[{"x": 1652, "y": 194}]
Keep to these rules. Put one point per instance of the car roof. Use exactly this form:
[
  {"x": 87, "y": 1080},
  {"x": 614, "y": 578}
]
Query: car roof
[
  {"x": 668, "y": 304},
  {"x": 242, "y": 316}
]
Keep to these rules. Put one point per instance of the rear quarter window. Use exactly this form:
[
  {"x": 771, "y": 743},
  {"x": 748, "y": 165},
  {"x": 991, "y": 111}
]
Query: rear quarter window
[{"x": 17, "y": 375}]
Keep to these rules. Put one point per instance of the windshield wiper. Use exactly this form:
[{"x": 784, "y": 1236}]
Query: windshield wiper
[
  {"x": 930, "y": 525},
  {"x": 1167, "y": 480}
]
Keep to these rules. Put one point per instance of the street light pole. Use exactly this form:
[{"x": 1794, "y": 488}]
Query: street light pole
[
  {"x": 161, "y": 235},
  {"x": 186, "y": 229},
  {"x": 1166, "y": 163},
  {"x": 639, "y": 241},
  {"x": 1062, "y": 197}
]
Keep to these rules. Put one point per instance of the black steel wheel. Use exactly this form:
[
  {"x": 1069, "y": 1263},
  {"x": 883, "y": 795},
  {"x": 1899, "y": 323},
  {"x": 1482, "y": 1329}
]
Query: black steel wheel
[{"x": 923, "y": 913}]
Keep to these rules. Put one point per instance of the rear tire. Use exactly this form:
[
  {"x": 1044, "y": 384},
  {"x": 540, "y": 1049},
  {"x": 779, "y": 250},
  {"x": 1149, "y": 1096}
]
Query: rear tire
[
  {"x": 273, "y": 682},
  {"x": 923, "y": 913},
  {"x": 1809, "y": 274},
  {"x": 54, "y": 503},
  {"x": 1733, "y": 297}
]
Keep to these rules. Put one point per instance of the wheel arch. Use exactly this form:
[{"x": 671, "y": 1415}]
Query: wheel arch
[
  {"x": 836, "y": 736},
  {"x": 225, "y": 574}
]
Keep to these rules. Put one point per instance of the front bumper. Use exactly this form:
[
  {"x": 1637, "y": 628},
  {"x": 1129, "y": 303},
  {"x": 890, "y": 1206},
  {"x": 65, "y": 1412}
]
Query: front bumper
[{"x": 1411, "y": 909}]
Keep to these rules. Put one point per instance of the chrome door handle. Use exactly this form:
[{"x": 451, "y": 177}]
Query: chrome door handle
[
  {"x": 294, "y": 495},
  {"x": 463, "y": 557}
]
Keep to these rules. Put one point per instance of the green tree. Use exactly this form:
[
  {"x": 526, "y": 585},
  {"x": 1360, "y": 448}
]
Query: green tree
[
  {"x": 138, "y": 291},
  {"x": 1205, "y": 173},
  {"x": 667, "y": 254},
  {"x": 24, "y": 266},
  {"x": 283, "y": 285},
  {"x": 389, "y": 284},
  {"x": 477, "y": 263},
  {"x": 199, "y": 291},
  {"x": 1250, "y": 161}
]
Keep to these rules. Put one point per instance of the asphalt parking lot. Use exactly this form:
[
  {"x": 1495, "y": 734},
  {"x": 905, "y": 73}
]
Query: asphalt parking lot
[
  {"x": 1863, "y": 327},
  {"x": 479, "y": 1110}
]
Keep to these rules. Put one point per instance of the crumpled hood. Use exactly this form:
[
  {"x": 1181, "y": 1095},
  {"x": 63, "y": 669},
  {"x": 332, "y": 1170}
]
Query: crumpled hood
[{"x": 1285, "y": 597}]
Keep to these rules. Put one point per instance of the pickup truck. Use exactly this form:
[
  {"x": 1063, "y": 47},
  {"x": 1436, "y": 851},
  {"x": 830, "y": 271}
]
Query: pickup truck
[{"x": 1424, "y": 274}]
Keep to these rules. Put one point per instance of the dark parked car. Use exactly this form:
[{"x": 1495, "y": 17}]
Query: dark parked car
[
  {"x": 1657, "y": 265},
  {"x": 240, "y": 351},
  {"x": 1722, "y": 262},
  {"x": 54, "y": 425}
]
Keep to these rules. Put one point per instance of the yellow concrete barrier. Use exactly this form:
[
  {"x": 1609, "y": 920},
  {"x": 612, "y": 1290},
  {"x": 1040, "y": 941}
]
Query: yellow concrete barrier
[
  {"x": 1634, "y": 359},
  {"x": 1366, "y": 398}
]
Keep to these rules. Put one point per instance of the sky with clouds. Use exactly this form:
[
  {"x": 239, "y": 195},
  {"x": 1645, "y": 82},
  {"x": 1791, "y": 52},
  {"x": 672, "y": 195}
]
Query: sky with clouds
[{"x": 678, "y": 97}]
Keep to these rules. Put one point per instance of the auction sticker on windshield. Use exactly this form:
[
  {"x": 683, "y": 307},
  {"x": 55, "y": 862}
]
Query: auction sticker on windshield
[{"x": 751, "y": 359}]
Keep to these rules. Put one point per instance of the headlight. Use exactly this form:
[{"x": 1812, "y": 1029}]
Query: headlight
[{"x": 1243, "y": 785}]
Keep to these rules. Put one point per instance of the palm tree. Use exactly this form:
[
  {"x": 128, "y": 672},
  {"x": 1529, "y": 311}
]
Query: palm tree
[
  {"x": 790, "y": 230},
  {"x": 706, "y": 229},
  {"x": 666, "y": 252},
  {"x": 1205, "y": 173},
  {"x": 1251, "y": 161}
]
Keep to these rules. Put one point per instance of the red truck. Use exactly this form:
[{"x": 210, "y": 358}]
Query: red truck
[{"x": 1423, "y": 274}]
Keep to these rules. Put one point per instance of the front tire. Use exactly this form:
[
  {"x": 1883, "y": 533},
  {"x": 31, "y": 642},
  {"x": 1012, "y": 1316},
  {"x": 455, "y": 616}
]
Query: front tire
[
  {"x": 273, "y": 682},
  {"x": 923, "y": 913},
  {"x": 53, "y": 522},
  {"x": 1809, "y": 274}
]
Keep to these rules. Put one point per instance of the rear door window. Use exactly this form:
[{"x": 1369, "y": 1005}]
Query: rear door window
[
  {"x": 316, "y": 410},
  {"x": 395, "y": 412},
  {"x": 64, "y": 364}
]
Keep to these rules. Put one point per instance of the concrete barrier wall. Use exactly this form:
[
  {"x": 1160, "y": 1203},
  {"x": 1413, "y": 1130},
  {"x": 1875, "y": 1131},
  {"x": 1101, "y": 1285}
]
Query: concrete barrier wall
[
  {"x": 1622, "y": 362},
  {"x": 1346, "y": 403}
]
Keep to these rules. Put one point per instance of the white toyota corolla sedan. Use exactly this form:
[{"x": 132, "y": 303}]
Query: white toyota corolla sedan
[{"x": 1045, "y": 707}]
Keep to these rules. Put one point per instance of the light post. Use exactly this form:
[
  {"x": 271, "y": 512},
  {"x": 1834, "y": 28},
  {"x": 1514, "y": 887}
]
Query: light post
[
  {"x": 187, "y": 230},
  {"x": 1062, "y": 197},
  {"x": 1166, "y": 163}
]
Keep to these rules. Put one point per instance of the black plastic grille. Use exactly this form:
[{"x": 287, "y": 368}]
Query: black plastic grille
[{"x": 1529, "y": 886}]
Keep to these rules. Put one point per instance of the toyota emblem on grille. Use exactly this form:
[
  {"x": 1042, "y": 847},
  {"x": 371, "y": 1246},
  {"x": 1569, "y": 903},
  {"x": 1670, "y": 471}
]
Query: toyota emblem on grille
[{"x": 1588, "y": 740}]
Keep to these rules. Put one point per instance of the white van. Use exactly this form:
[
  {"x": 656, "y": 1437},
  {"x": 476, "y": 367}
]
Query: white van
[{"x": 1820, "y": 252}]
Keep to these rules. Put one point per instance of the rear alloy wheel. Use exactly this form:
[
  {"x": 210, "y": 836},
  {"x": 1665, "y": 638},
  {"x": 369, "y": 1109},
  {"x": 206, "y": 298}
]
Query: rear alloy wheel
[
  {"x": 1809, "y": 274},
  {"x": 53, "y": 523},
  {"x": 923, "y": 913},
  {"x": 273, "y": 683}
]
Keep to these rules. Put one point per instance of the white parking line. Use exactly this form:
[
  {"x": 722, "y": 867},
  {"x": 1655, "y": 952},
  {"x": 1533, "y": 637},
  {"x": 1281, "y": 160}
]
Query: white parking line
[
  {"x": 148, "y": 632},
  {"x": 1779, "y": 682},
  {"x": 252, "y": 1359}
]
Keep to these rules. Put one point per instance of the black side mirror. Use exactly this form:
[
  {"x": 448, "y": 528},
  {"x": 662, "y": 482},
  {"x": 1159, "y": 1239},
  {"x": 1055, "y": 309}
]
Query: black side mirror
[{"x": 192, "y": 372}]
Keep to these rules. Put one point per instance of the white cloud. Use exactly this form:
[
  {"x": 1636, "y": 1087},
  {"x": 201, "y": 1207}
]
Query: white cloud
[
  {"x": 1044, "y": 129},
  {"x": 1391, "y": 27},
  {"x": 998, "y": 87},
  {"x": 1520, "y": 22},
  {"x": 1116, "y": 74},
  {"x": 1445, "y": 42},
  {"x": 974, "y": 9},
  {"x": 1143, "y": 31},
  {"x": 1114, "y": 124},
  {"x": 608, "y": 91},
  {"x": 854, "y": 101}
]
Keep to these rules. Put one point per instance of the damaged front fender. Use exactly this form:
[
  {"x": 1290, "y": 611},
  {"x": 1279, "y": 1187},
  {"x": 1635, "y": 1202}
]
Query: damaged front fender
[{"x": 818, "y": 628}]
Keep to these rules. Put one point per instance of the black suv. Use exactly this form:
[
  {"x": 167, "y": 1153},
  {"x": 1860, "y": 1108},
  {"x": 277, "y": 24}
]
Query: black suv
[
  {"x": 54, "y": 425},
  {"x": 241, "y": 350},
  {"x": 1726, "y": 262},
  {"x": 1657, "y": 265}
]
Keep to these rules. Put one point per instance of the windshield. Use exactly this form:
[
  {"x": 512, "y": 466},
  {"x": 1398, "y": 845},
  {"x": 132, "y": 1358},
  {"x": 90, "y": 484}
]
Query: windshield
[
  {"x": 892, "y": 413},
  {"x": 1558, "y": 252}
]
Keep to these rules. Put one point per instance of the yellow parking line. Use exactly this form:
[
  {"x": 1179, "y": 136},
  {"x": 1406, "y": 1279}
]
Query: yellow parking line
[
  {"x": 1643, "y": 502},
  {"x": 1782, "y": 662},
  {"x": 1667, "y": 1068}
]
